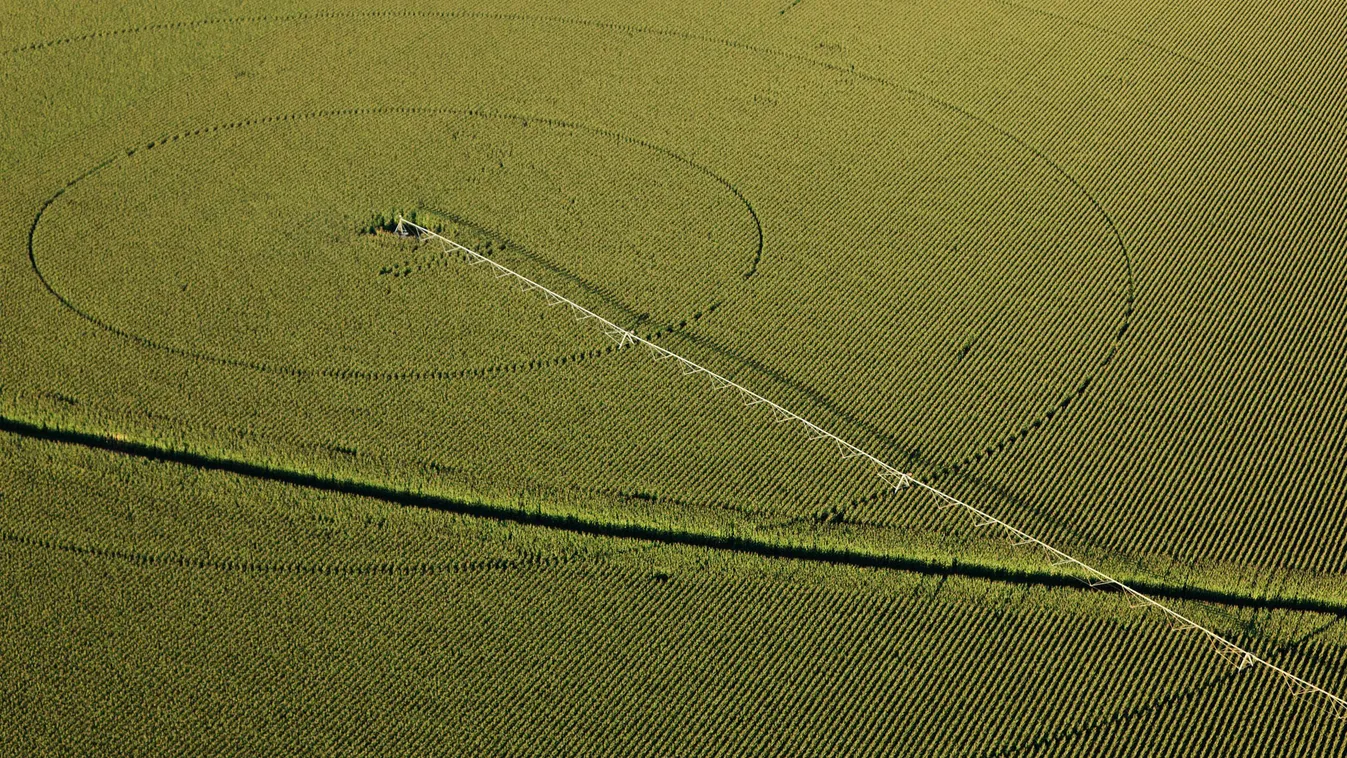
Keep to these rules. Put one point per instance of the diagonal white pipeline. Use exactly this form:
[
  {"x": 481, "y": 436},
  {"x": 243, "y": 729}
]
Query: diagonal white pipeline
[{"x": 895, "y": 478}]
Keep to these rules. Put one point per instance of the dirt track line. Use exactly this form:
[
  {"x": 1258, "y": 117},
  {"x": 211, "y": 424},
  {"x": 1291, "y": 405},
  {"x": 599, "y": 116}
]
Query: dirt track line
[
  {"x": 266, "y": 367},
  {"x": 579, "y": 524}
]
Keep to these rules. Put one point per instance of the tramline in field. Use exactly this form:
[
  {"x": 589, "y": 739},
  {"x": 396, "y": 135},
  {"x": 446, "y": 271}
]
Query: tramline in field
[{"x": 1238, "y": 656}]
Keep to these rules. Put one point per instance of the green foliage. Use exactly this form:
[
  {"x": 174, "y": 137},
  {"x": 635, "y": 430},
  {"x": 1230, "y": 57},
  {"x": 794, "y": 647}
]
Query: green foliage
[
  {"x": 1075, "y": 263},
  {"x": 204, "y": 613}
]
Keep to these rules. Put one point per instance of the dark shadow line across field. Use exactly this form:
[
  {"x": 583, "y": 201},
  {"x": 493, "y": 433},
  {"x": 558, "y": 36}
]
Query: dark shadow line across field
[
  {"x": 1156, "y": 704},
  {"x": 960, "y": 466},
  {"x": 599, "y": 292},
  {"x": 643, "y": 532},
  {"x": 604, "y": 294},
  {"x": 782, "y": 379},
  {"x": 848, "y": 71},
  {"x": 1003, "y": 494}
]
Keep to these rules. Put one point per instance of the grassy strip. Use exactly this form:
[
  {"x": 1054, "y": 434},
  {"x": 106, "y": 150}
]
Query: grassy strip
[{"x": 757, "y": 544}]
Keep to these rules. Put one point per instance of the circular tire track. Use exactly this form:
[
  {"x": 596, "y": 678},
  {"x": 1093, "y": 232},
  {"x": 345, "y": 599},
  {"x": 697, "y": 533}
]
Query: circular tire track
[
  {"x": 1335, "y": 120},
  {"x": 953, "y": 109},
  {"x": 1025, "y": 431},
  {"x": 339, "y": 373}
]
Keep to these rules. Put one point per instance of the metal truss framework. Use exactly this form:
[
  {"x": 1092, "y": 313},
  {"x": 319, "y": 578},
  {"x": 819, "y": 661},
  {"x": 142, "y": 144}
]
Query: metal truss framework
[{"x": 1238, "y": 656}]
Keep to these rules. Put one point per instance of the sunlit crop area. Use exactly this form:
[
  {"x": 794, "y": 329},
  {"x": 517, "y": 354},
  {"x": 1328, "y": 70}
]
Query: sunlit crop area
[{"x": 278, "y": 475}]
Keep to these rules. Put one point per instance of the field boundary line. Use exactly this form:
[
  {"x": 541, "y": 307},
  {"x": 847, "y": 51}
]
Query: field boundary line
[
  {"x": 761, "y": 545},
  {"x": 1238, "y": 656}
]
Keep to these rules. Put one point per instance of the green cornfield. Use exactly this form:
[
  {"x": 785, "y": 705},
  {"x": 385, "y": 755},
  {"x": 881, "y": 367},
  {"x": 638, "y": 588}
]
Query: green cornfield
[{"x": 277, "y": 477}]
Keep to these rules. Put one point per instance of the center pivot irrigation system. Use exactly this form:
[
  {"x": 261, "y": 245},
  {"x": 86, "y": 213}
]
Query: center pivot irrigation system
[{"x": 898, "y": 480}]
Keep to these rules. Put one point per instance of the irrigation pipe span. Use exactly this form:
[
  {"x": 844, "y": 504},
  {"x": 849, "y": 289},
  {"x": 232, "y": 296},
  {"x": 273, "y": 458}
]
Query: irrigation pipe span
[{"x": 893, "y": 477}]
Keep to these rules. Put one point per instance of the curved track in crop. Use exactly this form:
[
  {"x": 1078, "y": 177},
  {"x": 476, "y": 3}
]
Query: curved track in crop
[
  {"x": 670, "y": 327},
  {"x": 107, "y": 325}
]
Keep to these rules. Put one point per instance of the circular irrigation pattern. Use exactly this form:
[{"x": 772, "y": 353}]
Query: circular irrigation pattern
[
  {"x": 1007, "y": 141},
  {"x": 172, "y": 260},
  {"x": 1109, "y": 353}
]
